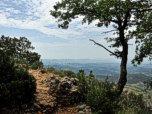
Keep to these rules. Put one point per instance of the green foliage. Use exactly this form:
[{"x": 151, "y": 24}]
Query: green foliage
[
  {"x": 149, "y": 96},
  {"x": 50, "y": 69},
  {"x": 142, "y": 30},
  {"x": 148, "y": 83},
  {"x": 68, "y": 73},
  {"x": 16, "y": 86},
  {"x": 6, "y": 67},
  {"x": 101, "y": 98},
  {"x": 37, "y": 65},
  {"x": 61, "y": 75},
  {"x": 42, "y": 81},
  {"x": 23, "y": 63},
  {"x": 73, "y": 76},
  {"x": 94, "y": 94},
  {"x": 133, "y": 101},
  {"x": 57, "y": 72},
  {"x": 45, "y": 70},
  {"x": 32, "y": 57},
  {"x": 4, "y": 79},
  {"x": 83, "y": 86},
  {"x": 8, "y": 43}
]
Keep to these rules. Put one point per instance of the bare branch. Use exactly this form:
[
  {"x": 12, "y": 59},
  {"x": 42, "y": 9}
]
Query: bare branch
[
  {"x": 109, "y": 31},
  {"x": 118, "y": 54},
  {"x": 105, "y": 48}
]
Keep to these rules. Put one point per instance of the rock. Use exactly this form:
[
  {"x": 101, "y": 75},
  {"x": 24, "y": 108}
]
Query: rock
[
  {"x": 64, "y": 89},
  {"x": 84, "y": 109}
]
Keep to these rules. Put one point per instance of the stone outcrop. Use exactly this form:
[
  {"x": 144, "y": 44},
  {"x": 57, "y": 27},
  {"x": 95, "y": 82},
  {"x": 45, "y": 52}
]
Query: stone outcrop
[{"x": 64, "y": 89}]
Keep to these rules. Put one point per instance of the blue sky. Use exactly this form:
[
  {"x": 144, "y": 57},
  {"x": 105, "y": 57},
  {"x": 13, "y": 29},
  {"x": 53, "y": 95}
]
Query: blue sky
[{"x": 32, "y": 19}]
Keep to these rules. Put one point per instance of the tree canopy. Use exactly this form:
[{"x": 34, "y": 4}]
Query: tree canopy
[
  {"x": 143, "y": 30},
  {"x": 22, "y": 46}
]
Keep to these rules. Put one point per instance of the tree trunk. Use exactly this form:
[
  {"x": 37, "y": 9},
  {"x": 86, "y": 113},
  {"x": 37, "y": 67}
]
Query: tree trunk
[{"x": 123, "y": 74}]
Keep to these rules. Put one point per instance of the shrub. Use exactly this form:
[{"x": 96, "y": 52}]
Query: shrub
[
  {"x": 83, "y": 86},
  {"x": 68, "y": 73},
  {"x": 133, "y": 101},
  {"x": 73, "y": 76},
  {"x": 23, "y": 63},
  {"x": 46, "y": 70},
  {"x": 101, "y": 98},
  {"x": 42, "y": 81},
  {"x": 57, "y": 72},
  {"x": 16, "y": 86},
  {"x": 37, "y": 65},
  {"x": 50, "y": 69},
  {"x": 61, "y": 75}
]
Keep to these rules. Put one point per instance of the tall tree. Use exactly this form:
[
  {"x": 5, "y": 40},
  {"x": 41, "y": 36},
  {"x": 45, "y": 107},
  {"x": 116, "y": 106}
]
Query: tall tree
[
  {"x": 122, "y": 12},
  {"x": 31, "y": 57},
  {"x": 22, "y": 46}
]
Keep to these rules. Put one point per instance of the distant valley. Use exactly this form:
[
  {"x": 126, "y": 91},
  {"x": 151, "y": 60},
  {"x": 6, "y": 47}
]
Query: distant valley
[{"x": 101, "y": 70}]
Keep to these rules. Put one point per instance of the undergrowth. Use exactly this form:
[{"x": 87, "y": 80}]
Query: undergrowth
[{"x": 101, "y": 95}]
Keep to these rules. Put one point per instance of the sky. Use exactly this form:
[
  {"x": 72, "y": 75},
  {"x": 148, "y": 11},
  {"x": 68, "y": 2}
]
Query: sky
[{"x": 32, "y": 19}]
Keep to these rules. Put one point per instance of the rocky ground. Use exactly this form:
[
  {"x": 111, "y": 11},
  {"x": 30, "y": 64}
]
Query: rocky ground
[{"x": 44, "y": 103}]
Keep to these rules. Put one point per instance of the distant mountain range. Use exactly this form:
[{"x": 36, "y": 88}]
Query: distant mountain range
[
  {"x": 102, "y": 69},
  {"x": 97, "y": 60},
  {"x": 105, "y": 60}
]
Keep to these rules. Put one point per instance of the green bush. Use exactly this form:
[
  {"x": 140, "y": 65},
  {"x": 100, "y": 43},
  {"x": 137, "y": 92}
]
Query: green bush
[
  {"x": 68, "y": 73},
  {"x": 61, "y": 75},
  {"x": 73, "y": 76},
  {"x": 57, "y": 72},
  {"x": 23, "y": 63},
  {"x": 83, "y": 86},
  {"x": 133, "y": 101},
  {"x": 98, "y": 95},
  {"x": 36, "y": 65},
  {"x": 16, "y": 86},
  {"x": 50, "y": 69},
  {"x": 100, "y": 98}
]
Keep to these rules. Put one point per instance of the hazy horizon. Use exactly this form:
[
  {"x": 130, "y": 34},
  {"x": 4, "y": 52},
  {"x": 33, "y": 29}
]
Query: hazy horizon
[{"x": 97, "y": 60}]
